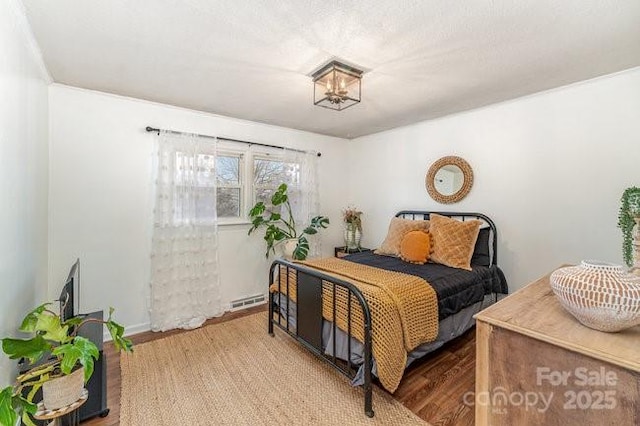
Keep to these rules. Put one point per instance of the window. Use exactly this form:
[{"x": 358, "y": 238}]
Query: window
[
  {"x": 229, "y": 202},
  {"x": 245, "y": 176},
  {"x": 269, "y": 173},
  {"x": 237, "y": 179}
]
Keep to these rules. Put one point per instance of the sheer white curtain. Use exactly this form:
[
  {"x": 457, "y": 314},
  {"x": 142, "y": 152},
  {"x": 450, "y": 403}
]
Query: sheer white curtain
[
  {"x": 185, "y": 288},
  {"x": 305, "y": 196}
]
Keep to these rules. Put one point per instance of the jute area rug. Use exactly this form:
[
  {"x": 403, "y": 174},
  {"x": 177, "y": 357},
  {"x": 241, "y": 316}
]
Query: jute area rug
[{"x": 234, "y": 373}]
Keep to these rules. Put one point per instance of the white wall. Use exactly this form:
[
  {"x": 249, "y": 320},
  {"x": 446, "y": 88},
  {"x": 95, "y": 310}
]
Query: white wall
[
  {"x": 549, "y": 169},
  {"x": 100, "y": 197},
  {"x": 23, "y": 175}
]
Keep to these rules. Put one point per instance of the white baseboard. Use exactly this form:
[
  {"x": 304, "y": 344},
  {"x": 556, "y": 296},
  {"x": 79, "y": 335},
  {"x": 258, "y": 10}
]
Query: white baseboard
[{"x": 140, "y": 328}]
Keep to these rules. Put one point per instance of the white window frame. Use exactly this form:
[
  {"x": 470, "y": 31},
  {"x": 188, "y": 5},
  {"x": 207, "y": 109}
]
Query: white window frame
[
  {"x": 242, "y": 184},
  {"x": 247, "y": 188},
  {"x": 266, "y": 157}
]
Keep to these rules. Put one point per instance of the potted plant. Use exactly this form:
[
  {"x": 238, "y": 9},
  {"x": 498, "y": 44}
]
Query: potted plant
[
  {"x": 352, "y": 228},
  {"x": 70, "y": 367},
  {"x": 629, "y": 217},
  {"x": 281, "y": 227}
]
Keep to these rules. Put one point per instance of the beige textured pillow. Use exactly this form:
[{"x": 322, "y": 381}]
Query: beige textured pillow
[
  {"x": 453, "y": 241},
  {"x": 398, "y": 228}
]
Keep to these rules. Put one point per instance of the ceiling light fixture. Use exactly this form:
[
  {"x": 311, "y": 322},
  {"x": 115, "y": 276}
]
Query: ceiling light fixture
[{"x": 337, "y": 86}]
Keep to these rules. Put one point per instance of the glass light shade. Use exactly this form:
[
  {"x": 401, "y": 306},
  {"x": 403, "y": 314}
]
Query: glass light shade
[{"x": 337, "y": 86}]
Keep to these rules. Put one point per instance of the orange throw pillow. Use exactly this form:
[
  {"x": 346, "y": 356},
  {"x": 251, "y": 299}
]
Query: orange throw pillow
[
  {"x": 453, "y": 241},
  {"x": 398, "y": 228},
  {"x": 415, "y": 247}
]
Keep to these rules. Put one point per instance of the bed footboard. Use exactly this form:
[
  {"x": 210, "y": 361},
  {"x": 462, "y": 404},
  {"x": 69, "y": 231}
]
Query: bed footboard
[{"x": 309, "y": 317}]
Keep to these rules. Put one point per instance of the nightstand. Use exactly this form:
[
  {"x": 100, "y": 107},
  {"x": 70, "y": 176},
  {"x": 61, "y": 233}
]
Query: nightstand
[{"x": 343, "y": 251}]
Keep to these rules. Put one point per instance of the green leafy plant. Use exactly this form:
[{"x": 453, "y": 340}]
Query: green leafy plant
[
  {"x": 629, "y": 210},
  {"x": 69, "y": 351},
  {"x": 280, "y": 227}
]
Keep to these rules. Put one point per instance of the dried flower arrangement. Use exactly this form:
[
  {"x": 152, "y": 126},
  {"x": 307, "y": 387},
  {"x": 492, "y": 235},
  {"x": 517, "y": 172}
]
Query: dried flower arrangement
[{"x": 351, "y": 215}]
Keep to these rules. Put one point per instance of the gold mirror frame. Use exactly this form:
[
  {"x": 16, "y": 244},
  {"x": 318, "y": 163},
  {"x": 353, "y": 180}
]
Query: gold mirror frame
[{"x": 467, "y": 172}]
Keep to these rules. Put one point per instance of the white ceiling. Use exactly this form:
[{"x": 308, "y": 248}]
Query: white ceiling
[{"x": 251, "y": 58}]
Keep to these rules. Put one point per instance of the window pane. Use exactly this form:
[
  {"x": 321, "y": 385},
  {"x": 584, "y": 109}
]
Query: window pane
[
  {"x": 264, "y": 195},
  {"x": 228, "y": 170},
  {"x": 268, "y": 172},
  {"x": 228, "y": 202}
]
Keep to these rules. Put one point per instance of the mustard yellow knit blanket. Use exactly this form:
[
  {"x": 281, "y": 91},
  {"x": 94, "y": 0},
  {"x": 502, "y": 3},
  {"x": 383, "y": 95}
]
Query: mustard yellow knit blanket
[{"x": 404, "y": 310}]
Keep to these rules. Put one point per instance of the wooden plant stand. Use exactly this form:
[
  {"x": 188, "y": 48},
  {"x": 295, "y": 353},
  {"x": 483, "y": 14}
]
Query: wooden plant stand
[{"x": 56, "y": 416}]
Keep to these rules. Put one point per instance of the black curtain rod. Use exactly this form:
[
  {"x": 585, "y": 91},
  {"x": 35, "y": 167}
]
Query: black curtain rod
[{"x": 153, "y": 129}]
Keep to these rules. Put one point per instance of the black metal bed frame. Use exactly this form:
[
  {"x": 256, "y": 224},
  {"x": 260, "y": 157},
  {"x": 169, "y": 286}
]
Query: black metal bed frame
[
  {"x": 309, "y": 282},
  {"x": 423, "y": 215}
]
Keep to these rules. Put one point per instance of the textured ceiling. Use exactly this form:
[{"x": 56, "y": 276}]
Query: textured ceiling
[{"x": 251, "y": 59}]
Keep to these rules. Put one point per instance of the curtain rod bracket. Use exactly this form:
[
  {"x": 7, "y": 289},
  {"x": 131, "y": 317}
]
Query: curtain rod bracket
[{"x": 156, "y": 130}]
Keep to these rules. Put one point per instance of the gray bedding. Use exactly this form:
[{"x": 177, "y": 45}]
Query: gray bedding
[
  {"x": 449, "y": 328},
  {"x": 460, "y": 293}
]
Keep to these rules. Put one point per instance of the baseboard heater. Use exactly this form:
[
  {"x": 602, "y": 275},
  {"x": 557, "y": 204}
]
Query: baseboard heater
[{"x": 248, "y": 301}]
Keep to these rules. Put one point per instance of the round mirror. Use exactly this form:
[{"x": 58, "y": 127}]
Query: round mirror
[{"x": 449, "y": 180}]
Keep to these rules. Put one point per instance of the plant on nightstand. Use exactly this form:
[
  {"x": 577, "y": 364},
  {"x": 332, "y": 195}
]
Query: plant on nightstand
[
  {"x": 72, "y": 362},
  {"x": 282, "y": 227},
  {"x": 352, "y": 228}
]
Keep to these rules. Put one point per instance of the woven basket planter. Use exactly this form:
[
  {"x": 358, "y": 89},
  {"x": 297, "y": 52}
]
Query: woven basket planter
[
  {"x": 63, "y": 391},
  {"x": 600, "y": 295}
]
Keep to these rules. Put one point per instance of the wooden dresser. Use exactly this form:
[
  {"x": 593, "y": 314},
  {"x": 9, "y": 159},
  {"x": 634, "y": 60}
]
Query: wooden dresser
[{"x": 537, "y": 365}]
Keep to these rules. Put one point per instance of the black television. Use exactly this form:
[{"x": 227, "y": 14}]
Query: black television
[{"x": 70, "y": 294}]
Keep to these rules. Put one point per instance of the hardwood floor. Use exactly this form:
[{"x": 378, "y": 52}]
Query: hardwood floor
[{"x": 432, "y": 388}]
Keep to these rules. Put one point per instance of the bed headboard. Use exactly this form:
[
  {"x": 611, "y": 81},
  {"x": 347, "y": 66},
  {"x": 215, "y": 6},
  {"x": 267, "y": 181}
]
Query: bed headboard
[{"x": 486, "y": 223}]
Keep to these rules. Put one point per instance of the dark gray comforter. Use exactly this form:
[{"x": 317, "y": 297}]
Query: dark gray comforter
[{"x": 456, "y": 288}]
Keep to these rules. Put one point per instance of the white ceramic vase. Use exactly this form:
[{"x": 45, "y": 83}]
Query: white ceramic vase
[
  {"x": 287, "y": 247},
  {"x": 600, "y": 295}
]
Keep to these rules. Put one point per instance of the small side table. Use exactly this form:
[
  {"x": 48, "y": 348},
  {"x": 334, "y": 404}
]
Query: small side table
[
  {"x": 343, "y": 251},
  {"x": 69, "y": 413}
]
